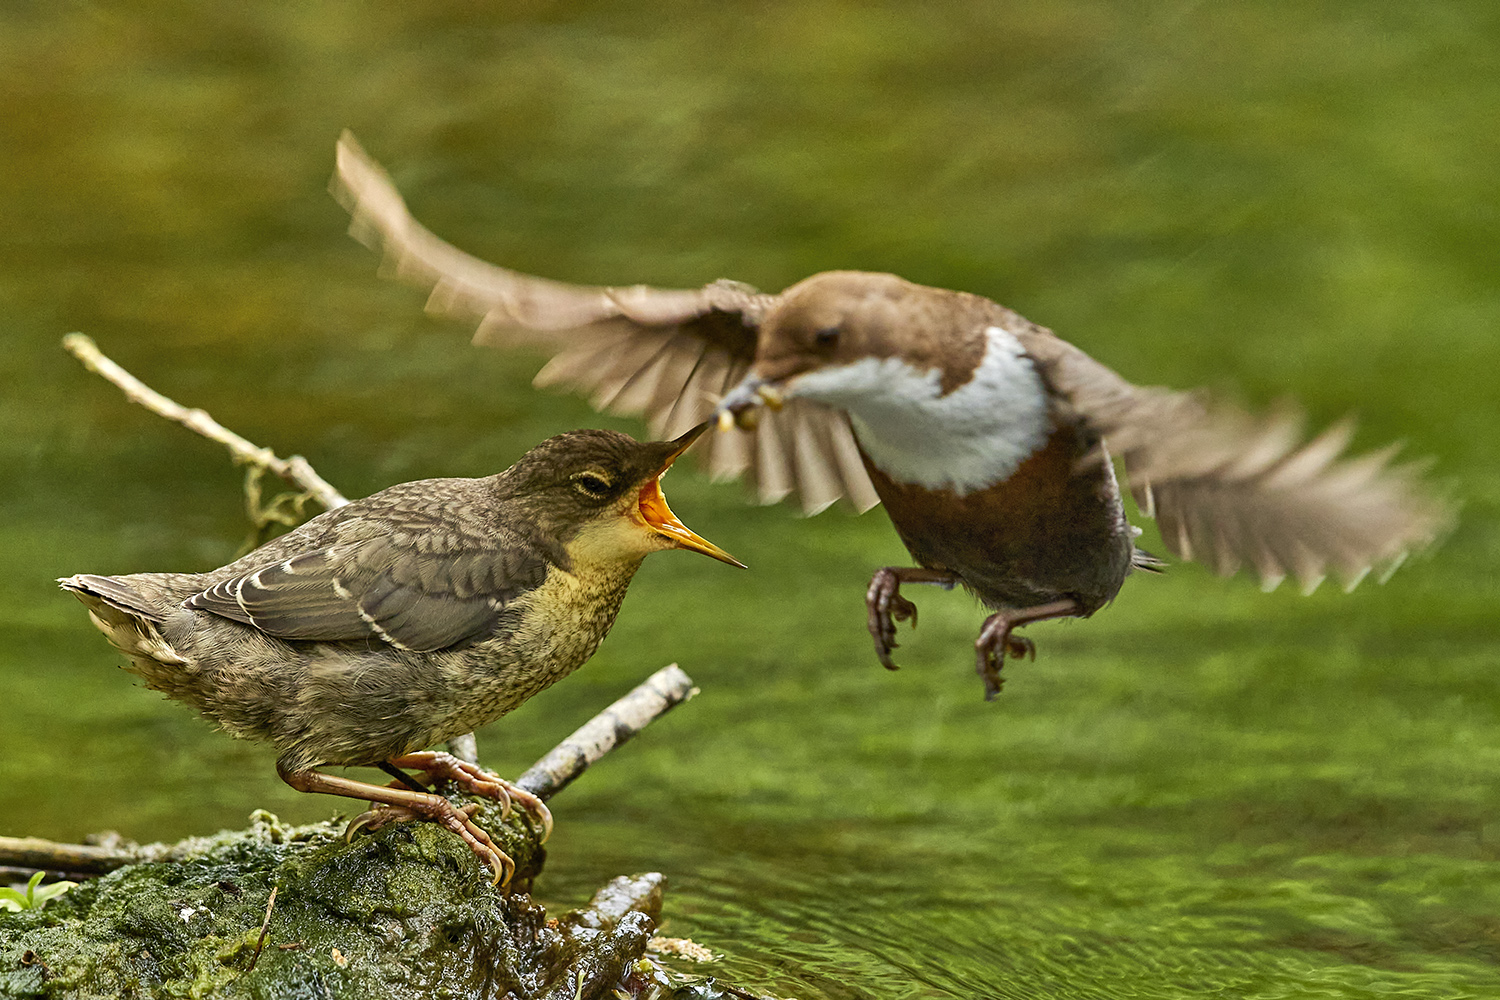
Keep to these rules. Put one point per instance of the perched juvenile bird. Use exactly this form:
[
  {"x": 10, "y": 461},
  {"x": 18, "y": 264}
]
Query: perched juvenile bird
[
  {"x": 984, "y": 434},
  {"x": 404, "y": 619}
]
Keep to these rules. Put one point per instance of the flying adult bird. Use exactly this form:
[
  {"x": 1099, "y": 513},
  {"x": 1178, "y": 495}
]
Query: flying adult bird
[
  {"x": 987, "y": 437},
  {"x": 401, "y": 620}
]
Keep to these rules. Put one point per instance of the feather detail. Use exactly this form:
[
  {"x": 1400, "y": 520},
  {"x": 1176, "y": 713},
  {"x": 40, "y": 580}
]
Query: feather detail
[
  {"x": 1230, "y": 489},
  {"x": 668, "y": 355}
]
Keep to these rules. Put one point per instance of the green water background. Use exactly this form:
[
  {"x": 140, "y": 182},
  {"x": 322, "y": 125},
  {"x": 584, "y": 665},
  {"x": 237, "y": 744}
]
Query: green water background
[{"x": 1204, "y": 790}]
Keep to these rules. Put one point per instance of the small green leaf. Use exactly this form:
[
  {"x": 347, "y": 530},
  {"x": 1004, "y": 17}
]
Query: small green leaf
[
  {"x": 35, "y": 898},
  {"x": 48, "y": 893}
]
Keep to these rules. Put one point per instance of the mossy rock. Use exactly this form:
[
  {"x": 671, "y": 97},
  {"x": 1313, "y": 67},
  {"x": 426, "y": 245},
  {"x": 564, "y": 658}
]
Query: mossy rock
[{"x": 407, "y": 911}]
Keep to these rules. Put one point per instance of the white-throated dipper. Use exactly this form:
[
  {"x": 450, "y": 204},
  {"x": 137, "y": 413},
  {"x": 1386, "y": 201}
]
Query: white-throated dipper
[
  {"x": 401, "y": 620},
  {"x": 984, "y": 434}
]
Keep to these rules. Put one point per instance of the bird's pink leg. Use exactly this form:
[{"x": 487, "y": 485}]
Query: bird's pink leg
[
  {"x": 886, "y": 606},
  {"x": 404, "y": 804},
  {"x": 995, "y": 641},
  {"x": 440, "y": 766}
]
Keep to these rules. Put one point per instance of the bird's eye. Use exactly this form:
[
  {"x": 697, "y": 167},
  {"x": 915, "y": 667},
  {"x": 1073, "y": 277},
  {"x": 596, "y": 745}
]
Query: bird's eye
[
  {"x": 827, "y": 337},
  {"x": 592, "y": 485}
]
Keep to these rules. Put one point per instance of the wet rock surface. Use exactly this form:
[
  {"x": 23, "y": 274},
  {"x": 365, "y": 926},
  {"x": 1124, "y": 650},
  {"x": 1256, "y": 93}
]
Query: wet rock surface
[{"x": 404, "y": 912}]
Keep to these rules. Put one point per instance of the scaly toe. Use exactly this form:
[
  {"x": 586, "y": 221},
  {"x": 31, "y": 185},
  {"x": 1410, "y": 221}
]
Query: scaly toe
[
  {"x": 902, "y": 610},
  {"x": 883, "y": 631},
  {"x": 988, "y": 669},
  {"x": 486, "y": 850},
  {"x": 533, "y": 805},
  {"x": 437, "y": 765},
  {"x": 377, "y": 817}
]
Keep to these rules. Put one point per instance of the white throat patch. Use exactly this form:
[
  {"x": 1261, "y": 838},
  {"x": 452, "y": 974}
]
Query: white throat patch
[{"x": 971, "y": 438}]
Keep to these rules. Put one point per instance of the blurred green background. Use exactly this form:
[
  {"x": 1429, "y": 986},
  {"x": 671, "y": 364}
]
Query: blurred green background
[{"x": 1202, "y": 790}]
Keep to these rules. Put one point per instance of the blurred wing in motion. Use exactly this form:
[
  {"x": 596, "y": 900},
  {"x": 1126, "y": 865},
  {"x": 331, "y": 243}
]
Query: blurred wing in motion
[
  {"x": 666, "y": 354},
  {"x": 1230, "y": 489}
]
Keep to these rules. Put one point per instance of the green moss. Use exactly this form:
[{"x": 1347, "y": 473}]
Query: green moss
[{"x": 406, "y": 911}]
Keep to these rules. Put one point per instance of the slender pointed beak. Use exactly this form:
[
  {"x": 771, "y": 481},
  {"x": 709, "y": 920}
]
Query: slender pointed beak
[
  {"x": 656, "y": 513},
  {"x": 682, "y": 444}
]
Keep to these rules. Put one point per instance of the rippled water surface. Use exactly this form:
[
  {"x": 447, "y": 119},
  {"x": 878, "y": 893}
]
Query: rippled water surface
[{"x": 1203, "y": 790}]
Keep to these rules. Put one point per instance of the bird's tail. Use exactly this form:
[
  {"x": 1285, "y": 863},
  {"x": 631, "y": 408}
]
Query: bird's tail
[
  {"x": 129, "y": 620},
  {"x": 1141, "y": 559},
  {"x": 111, "y": 590}
]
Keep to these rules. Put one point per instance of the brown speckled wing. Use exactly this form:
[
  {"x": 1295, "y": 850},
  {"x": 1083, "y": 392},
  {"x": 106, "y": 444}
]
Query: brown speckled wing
[
  {"x": 666, "y": 354},
  {"x": 380, "y": 588},
  {"x": 1230, "y": 489}
]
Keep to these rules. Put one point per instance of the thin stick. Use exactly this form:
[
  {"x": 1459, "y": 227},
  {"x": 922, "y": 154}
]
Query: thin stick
[
  {"x": 295, "y": 470},
  {"x": 651, "y": 699},
  {"x": 647, "y": 702},
  {"x": 34, "y": 854},
  {"x": 265, "y": 925}
]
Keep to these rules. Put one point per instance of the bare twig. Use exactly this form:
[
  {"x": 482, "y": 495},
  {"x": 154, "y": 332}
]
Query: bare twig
[
  {"x": 647, "y": 702},
  {"x": 35, "y": 854},
  {"x": 294, "y": 470},
  {"x": 265, "y": 926},
  {"x": 465, "y": 748}
]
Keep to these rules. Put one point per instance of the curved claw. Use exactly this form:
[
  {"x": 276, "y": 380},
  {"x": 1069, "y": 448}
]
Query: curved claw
[
  {"x": 475, "y": 780},
  {"x": 535, "y": 806},
  {"x": 380, "y": 815},
  {"x": 437, "y": 766},
  {"x": 461, "y": 822},
  {"x": 996, "y": 640},
  {"x": 885, "y": 606},
  {"x": 994, "y": 644}
]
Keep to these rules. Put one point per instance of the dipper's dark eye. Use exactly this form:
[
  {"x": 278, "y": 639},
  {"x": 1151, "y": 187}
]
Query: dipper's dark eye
[
  {"x": 826, "y": 337},
  {"x": 592, "y": 485}
]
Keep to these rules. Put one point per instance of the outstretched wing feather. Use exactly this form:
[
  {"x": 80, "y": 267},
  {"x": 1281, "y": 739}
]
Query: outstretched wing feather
[
  {"x": 666, "y": 354},
  {"x": 1230, "y": 489}
]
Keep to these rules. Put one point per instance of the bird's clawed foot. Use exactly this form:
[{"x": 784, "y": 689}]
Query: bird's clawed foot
[
  {"x": 439, "y": 766},
  {"x": 994, "y": 644},
  {"x": 459, "y": 819},
  {"x": 886, "y": 607},
  {"x": 406, "y": 800}
]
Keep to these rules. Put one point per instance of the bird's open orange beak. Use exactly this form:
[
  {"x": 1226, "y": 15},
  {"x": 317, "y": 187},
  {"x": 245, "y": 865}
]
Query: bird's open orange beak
[{"x": 656, "y": 513}]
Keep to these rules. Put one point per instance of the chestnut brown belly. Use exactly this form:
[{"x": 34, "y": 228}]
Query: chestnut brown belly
[{"x": 1048, "y": 531}]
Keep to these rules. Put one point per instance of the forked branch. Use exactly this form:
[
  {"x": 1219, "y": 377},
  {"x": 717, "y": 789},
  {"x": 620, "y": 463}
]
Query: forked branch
[{"x": 295, "y": 470}]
